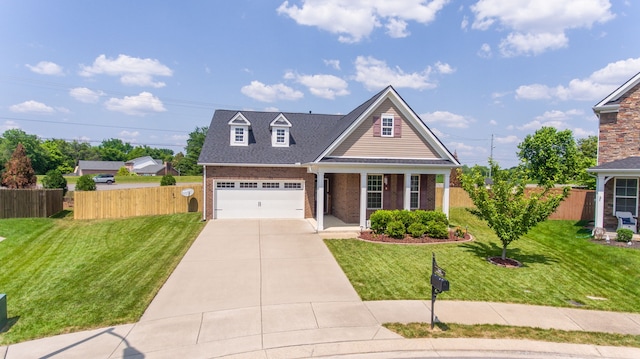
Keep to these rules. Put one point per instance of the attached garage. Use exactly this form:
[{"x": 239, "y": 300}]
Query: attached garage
[{"x": 258, "y": 199}]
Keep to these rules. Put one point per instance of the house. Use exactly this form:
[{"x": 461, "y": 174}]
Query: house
[
  {"x": 306, "y": 165},
  {"x": 147, "y": 166},
  {"x": 618, "y": 167},
  {"x": 96, "y": 167}
]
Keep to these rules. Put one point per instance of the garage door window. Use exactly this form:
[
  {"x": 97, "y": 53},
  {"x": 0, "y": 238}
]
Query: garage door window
[
  {"x": 248, "y": 184},
  {"x": 293, "y": 185},
  {"x": 270, "y": 185},
  {"x": 226, "y": 185}
]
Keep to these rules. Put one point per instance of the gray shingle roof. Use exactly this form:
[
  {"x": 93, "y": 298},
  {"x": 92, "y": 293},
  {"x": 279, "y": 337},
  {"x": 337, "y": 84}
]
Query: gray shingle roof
[
  {"x": 100, "y": 165},
  {"x": 310, "y": 135},
  {"x": 629, "y": 163}
]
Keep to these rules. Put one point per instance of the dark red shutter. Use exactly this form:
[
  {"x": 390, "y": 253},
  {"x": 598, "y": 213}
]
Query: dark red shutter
[
  {"x": 376, "y": 126},
  {"x": 397, "y": 126}
]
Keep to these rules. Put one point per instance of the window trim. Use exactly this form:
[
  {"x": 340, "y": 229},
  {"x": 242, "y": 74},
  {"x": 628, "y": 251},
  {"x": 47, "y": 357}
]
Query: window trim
[
  {"x": 391, "y": 128},
  {"x": 615, "y": 194},
  {"x": 416, "y": 192},
  {"x": 381, "y": 191}
]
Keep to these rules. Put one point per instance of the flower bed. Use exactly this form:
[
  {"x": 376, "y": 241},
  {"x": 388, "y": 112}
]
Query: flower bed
[{"x": 373, "y": 237}]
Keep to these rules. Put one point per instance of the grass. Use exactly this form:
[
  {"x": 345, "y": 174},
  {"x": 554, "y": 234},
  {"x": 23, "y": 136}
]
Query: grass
[
  {"x": 136, "y": 179},
  {"x": 487, "y": 331},
  {"x": 561, "y": 267},
  {"x": 62, "y": 275}
]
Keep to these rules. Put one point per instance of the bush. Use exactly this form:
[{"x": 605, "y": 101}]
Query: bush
[
  {"x": 436, "y": 229},
  {"x": 379, "y": 221},
  {"x": 396, "y": 229},
  {"x": 404, "y": 216},
  {"x": 417, "y": 229},
  {"x": 54, "y": 179},
  {"x": 427, "y": 216},
  {"x": 123, "y": 171},
  {"x": 167, "y": 180},
  {"x": 85, "y": 183},
  {"x": 624, "y": 235}
]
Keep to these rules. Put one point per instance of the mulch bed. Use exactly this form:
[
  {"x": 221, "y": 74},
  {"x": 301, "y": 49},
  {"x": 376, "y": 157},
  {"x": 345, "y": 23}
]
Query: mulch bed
[
  {"x": 373, "y": 237},
  {"x": 634, "y": 244},
  {"x": 507, "y": 262}
]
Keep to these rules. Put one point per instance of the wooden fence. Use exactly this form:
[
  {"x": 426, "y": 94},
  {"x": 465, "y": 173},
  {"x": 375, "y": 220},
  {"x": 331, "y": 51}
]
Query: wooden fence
[
  {"x": 27, "y": 203},
  {"x": 579, "y": 205},
  {"x": 136, "y": 202}
]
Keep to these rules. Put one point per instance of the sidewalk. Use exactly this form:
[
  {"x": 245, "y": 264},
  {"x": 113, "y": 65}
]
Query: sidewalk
[{"x": 275, "y": 291}]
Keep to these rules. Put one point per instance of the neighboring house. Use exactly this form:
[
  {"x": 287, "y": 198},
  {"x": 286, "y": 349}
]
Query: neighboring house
[
  {"x": 96, "y": 167},
  {"x": 147, "y": 166},
  {"x": 618, "y": 166},
  {"x": 304, "y": 165}
]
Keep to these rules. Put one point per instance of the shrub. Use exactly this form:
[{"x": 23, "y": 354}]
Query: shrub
[
  {"x": 167, "y": 180},
  {"x": 85, "y": 183},
  {"x": 396, "y": 229},
  {"x": 379, "y": 221},
  {"x": 404, "y": 216},
  {"x": 436, "y": 229},
  {"x": 417, "y": 229},
  {"x": 427, "y": 216},
  {"x": 54, "y": 179},
  {"x": 624, "y": 235},
  {"x": 123, "y": 171}
]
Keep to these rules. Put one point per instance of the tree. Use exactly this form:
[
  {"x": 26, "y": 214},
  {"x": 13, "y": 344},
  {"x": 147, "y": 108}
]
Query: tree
[
  {"x": 587, "y": 157},
  {"x": 549, "y": 156},
  {"x": 18, "y": 171},
  {"x": 85, "y": 183},
  {"x": 168, "y": 180},
  {"x": 177, "y": 162},
  {"x": 31, "y": 144},
  {"x": 59, "y": 157},
  {"x": 114, "y": 149},
  {"x": 189, "y": 164},
  {"x": 509, "y": 212},
  {"x": 54, "y": 179},
  {"x": 123, "y": 171}
]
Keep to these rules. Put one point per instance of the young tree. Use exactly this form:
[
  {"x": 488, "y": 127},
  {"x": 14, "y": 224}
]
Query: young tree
[
  {"x": 509, "y": 212},
  {"x": 168, "y": 180},
  {"x": 54, "y": 179},
  {"x": 18, "y": 171},
  {"x": 85, "y": 183},
  {"x": 549, "y": 156},
  {"x": 32, "y": 146}
]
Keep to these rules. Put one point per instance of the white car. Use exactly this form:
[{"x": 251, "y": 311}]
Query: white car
[{"x": 104, "y": 178}]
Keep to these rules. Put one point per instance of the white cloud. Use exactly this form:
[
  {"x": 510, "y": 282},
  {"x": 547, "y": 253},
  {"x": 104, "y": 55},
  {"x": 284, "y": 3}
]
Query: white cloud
[
  {"x": 354, "y": 20},
  {"x": 485, "y": 51},
  {"x": 438, "y": 133},
  {"x": 595, "y": 87},
  {"x": 8, "y": 125},
  {"x": 447, "y": 119},
  {"x": 138, "y": 105},
  {"x": 132, "y": 71},
  {"x": 507, "y": 139},
  {"x": 271, "y": 109},
  {"x": 580, "y": 132},
  {"x": 32, "y": 107},
  {"x": 555, "y": 118},
  {"x": 46, "y": 68},
  {"x": 129, "y": 134},
  {"x": 538, "y": 26},
  {"x": 493, "y": 122},
  {"x": 325, "y": 86},
  {"x": 465, "y": 23},
  {"x": 270, "y": 93},
  {"x": 375, "y": 75},
  {"x": 85, "y": 95},
  {"x": 333, "y": 63},
  {"x": 444, "y": 68}
]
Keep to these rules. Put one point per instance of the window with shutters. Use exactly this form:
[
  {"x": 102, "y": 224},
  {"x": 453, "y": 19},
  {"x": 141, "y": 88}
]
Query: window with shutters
[
  {"x": 415, "y": 191},
  {"x": 386, "y": 126},
  {"x": 374, "y": 192}
]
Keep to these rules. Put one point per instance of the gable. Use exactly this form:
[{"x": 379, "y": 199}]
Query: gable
[{"x": 365, "y": 141}]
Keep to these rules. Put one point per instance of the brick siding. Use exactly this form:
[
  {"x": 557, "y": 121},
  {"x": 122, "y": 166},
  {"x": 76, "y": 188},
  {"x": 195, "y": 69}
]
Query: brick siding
[{"x": 619, "y": 135}]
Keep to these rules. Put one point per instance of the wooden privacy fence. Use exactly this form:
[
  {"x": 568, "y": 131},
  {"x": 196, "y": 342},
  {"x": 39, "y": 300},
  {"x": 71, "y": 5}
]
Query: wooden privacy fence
[
  {"x": 579, "y": 205},
  {"x": 136, "y": 202},
  {"x": 27, "y": 203}
]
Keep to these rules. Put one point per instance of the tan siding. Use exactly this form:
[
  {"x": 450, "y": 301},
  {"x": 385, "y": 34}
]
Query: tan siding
[{"x": 361, "y": 142}]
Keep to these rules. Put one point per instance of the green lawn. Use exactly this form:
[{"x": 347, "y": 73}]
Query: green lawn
[
  {"x": 560, "y": 266},
  {"x": 64, "y": 275}
]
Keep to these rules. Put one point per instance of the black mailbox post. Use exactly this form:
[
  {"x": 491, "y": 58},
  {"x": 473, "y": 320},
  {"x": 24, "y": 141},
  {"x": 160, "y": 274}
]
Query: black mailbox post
[{"x": 439, "y": 284}]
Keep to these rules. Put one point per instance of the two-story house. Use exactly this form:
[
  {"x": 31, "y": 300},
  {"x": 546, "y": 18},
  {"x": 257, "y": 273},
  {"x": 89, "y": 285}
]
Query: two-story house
[
  {"x": 618, "y": 168},
  {"x": 306, "y": 165}
]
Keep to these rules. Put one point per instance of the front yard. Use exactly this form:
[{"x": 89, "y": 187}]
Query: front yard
[
  {"x": 62, "y": 275},
  {"x": 561, "y": 268}
]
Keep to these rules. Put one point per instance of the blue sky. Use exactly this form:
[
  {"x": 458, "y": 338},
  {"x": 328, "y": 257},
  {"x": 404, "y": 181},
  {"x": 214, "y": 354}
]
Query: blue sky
[{"x": 150, "y": 72}]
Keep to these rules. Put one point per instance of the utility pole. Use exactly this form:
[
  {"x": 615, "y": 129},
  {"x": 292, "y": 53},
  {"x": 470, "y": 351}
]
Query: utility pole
[{"x": 491, "y": 155}]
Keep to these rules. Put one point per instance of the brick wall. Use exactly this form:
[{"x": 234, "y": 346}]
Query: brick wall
[
  {"x": 261, "y": 173},
  {"x": 619, "y": 135},
  {"x": 345, "y": 196}
]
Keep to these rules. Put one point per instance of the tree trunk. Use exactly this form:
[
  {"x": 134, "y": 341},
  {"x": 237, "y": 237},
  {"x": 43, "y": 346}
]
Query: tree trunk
[{"x": 504, "y": 252}]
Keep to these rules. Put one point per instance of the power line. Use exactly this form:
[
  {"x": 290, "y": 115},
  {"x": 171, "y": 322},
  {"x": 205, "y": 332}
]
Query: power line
[{"x": 91, "y": 125}]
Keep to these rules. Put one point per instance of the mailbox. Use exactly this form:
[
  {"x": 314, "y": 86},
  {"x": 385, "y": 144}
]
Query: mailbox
[{"x": 439, "y": 283}]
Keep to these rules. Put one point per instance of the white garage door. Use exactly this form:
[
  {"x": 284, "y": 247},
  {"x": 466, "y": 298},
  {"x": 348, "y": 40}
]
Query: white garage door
[{"x": 259, "y": 199}]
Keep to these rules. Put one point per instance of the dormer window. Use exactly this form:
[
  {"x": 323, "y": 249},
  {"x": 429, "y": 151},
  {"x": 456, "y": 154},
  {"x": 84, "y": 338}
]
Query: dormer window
[
  {"x": 280, "y": 131},
  {"x": 239, "y": 130},
  {"x": 387, "y": 126}
]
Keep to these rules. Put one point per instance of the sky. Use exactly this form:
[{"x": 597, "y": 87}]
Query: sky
[{"x": 481, "y": 74}]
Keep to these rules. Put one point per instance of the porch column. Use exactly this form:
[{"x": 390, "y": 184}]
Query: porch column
[
  {"x": 445, "y": 194},
  {"x": 320, "y": 201},
  {"x": 407, "y": 191},
  {"x": 600, "y": 182},
  {"x": 363, "y": 199}
]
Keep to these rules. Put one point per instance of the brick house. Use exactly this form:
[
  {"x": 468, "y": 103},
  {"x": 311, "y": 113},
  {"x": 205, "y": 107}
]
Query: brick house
[
  {"x": 303, "y": 165},
  {"x": 618, "y": 168}
]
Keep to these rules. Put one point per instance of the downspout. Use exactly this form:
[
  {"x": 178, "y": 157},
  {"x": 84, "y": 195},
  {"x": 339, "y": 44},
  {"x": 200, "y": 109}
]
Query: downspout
[{"x": 204, "y": 193}]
